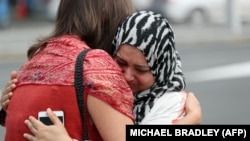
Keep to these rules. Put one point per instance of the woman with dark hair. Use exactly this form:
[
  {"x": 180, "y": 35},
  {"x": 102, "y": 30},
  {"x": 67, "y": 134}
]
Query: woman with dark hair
[{"x": 46, "y": 79}]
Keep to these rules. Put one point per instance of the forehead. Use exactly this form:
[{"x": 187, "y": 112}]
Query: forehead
[
  {"x": 126, "y": 48},
  {"x": 131, "y": 53}
]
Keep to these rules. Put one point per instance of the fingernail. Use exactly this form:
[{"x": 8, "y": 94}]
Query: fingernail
[{"x": 49, "y": 109}]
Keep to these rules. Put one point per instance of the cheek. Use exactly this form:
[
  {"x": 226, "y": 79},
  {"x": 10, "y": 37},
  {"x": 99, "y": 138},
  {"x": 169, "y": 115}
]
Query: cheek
[{"x": 145, "y": 81}]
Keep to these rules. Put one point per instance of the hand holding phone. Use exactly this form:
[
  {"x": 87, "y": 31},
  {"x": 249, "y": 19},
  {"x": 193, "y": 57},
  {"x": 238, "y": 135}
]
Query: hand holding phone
[{"x": 43, "y": 117}]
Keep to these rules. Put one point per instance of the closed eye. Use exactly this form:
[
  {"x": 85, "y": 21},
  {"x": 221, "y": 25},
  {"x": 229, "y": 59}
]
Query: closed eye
[
  {"x": 143, "y": 69},
  {"x": 120, "y": 61}
]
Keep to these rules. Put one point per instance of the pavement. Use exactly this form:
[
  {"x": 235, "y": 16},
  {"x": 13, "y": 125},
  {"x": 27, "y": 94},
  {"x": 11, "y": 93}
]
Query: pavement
[{"x": 15, "y": 40}]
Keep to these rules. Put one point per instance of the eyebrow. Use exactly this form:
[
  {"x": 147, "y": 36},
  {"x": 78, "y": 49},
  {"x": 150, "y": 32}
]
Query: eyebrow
[
  {"x": 119, "y": 58},
  {"x": 141, "y": 66}
]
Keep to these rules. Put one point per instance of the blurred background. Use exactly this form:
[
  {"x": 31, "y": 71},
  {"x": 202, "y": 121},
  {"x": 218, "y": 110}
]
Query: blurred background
[
  {"x": 198, "y": 12},
  {"x": 19, "y": 10},
  {"x": 212, "y": 37}
]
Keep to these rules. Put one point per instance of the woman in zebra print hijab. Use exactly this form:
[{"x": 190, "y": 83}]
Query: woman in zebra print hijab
[{"x": 144, "y": 48}]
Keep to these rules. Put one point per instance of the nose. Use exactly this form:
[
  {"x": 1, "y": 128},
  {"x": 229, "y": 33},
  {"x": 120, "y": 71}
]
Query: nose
[{"x": 128, "y": 74}]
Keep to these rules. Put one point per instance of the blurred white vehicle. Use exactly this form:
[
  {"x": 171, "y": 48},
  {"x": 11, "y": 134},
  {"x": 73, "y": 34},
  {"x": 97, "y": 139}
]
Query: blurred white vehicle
[
  {"x": 44, "y": 9},
  {"x": 202, "y": 11},
  {"x": 143, "y": 4},
  {"x": 51, "y": 9}
]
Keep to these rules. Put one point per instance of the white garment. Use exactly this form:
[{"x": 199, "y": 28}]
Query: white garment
[{"x": 169, "y": 107}]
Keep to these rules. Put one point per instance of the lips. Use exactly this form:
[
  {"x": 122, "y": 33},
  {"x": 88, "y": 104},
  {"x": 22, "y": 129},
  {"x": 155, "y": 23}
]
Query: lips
[{"x": 133, "y": 87}]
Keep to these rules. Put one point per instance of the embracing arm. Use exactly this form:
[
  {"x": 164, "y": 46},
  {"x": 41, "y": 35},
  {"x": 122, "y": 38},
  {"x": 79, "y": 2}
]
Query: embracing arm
[
  {"x": 111, "y": 126},
  {"x": 193, "y": 111}
]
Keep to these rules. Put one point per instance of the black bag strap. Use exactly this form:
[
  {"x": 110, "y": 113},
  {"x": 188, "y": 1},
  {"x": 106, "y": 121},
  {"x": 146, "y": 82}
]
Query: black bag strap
[{"x": 79, "y": 87}]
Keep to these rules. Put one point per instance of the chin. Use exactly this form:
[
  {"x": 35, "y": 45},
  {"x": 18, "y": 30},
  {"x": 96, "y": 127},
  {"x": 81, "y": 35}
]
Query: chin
[{"x": 135, "y": 91}]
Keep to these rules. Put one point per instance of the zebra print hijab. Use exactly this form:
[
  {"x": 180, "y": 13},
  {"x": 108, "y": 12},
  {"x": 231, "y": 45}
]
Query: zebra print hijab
[{"x": 151, "y": 33}]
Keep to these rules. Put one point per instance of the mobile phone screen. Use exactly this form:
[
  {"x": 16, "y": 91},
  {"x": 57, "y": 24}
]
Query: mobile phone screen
[
  {"x": 43, "y": 117},
  {"x": 47, "y": 121}
]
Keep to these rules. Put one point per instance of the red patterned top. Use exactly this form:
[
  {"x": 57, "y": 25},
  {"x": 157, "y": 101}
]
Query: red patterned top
[{"x": 47, "y": 80}]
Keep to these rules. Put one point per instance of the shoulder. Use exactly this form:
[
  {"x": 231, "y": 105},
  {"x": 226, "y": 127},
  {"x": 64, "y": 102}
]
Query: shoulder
[
  {"x": 98, "y": 53},
  {"x": 166, "y": 109},
  {"x": 99, "y": 59},
  {"x": 172, "y": 97},
  {"x": 107, "y": 81}
]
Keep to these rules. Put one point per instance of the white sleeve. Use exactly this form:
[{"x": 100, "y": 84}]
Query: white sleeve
[{"x": 166, "y": 109}]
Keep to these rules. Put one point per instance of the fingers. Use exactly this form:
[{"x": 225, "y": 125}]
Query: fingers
[
  {"x": 55, "y": 120},
  {"x": 193, "y": 111},
  {"x": 193, "y": 106},
  {"x": 10, "y": 86},
  {"x": 193, "y": 98},
  {"x": 29, "y": 137},
  {"x": 42, "y": 132},
  {"x": 5, "y": 100},
  {"x": 192, "y": 101},
  {"x": 13, "y": 75},
  {"x": 31, "y": 124},
  {"x": 7, "y": 93},
  {"x": 35, "y": 126},
  {"x": 5, "y": 103}
]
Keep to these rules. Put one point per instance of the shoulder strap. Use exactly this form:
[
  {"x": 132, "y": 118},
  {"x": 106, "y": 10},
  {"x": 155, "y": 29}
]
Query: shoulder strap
[{"x": 79, "y": 87}]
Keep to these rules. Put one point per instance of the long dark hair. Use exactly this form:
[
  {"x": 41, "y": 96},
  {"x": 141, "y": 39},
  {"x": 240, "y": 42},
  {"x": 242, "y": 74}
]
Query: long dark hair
[{"x": 93, "y": 21}]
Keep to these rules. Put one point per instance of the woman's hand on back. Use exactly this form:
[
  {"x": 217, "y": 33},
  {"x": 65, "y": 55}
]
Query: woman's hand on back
[
  {"x": 42, "y": 132},
  {"x": 193, "y": 111},
  {"x": 7, "y": 90}
]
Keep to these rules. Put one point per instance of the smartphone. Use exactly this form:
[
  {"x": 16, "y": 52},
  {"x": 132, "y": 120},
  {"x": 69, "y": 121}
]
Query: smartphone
[{"x": 43, "y": 117}]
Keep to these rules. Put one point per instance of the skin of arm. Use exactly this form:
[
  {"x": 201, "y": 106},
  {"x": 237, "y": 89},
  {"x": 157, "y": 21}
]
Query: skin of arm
[{"x": 114, "y": 122}]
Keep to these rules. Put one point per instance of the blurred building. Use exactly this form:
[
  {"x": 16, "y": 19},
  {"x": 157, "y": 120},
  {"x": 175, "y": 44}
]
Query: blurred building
[
  {"x": 4, "y": 13},
  {"x": 32, "y": 9}
]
